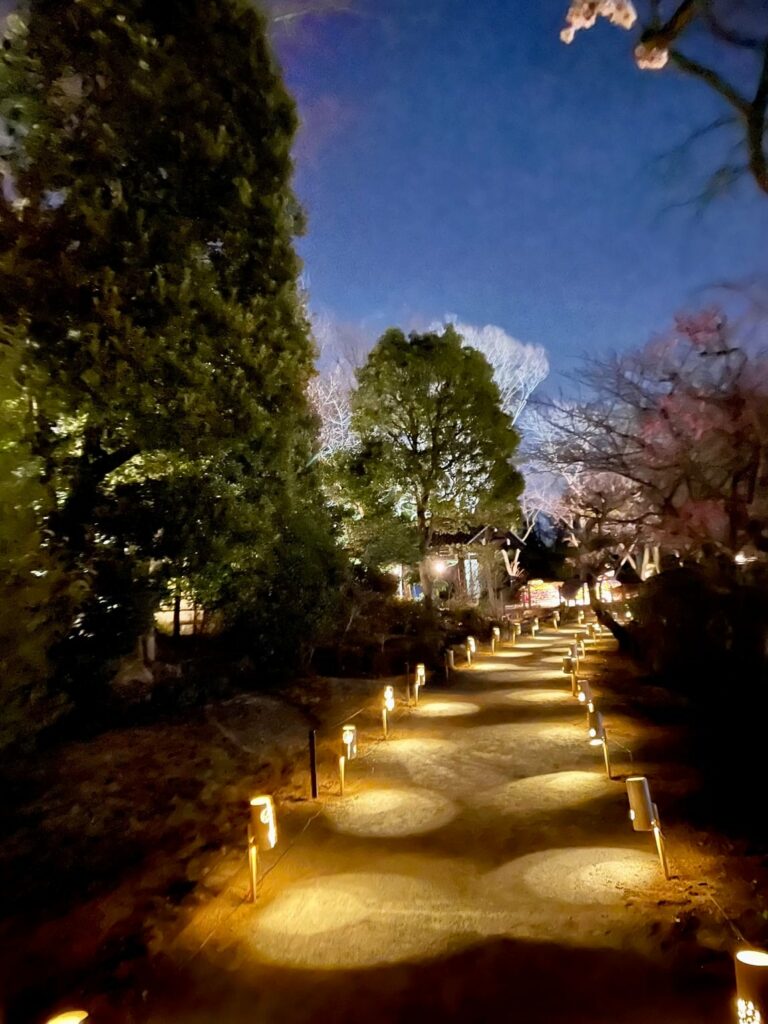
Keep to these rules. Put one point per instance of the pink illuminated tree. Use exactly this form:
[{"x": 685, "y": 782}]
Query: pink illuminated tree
[{"x": 684, "y": 422}]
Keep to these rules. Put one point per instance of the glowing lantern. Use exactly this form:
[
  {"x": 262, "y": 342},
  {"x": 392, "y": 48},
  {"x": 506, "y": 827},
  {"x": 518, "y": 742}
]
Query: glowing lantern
[
  {"x": 556, "y": 619},
  {"x": 262, "y": 835},
  {"x": 264, "y": 822},
  {"x": 495, "y": 638},
  {"x": 534, "y": 627},
  {"x": 349, "y": 742},
  {"x": 595, "y": 728},
  {"x": 580, "y": 616},
  {"x": 421, "y": 675},
  {"x": 752, "y": 986},
  {"x": 69, "y": 1017},
  {"x": 470, "y": 647},
  {"x": 598, "y": 737},
  {"x": 387, "y": 708},
  {"x": 644, "y": 815},
  {"x": 584, "y": 694},
  {"x": 642, "y": 810}
]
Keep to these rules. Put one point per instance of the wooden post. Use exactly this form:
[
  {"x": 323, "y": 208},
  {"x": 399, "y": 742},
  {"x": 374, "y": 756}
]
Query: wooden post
[{"x": 253, "y": 864}]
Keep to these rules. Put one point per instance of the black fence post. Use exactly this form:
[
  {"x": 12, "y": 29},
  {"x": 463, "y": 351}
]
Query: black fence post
[{"x": 313, "y": 763}]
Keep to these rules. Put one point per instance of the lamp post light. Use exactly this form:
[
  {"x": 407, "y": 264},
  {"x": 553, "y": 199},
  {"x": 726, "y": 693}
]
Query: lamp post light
[
  {"x": 644, "y": 815},
  {"x": 471, "y": 647},
  {"x": 387, "y": 708},
  {"x": 495, "y": 638},
  {"x": 535, "y": 626},
  {"x": 751, "y": 986},
  {"x": 598, "y": 737},
  {"x": 580, "y": 616},
  {"x": 556, "y": 620},
  {"x": 348, "y": 751},
  {"x": 262, "y": 835},
  {"x": 581, "y": 647},
  {"x": 517, "y": 629}
]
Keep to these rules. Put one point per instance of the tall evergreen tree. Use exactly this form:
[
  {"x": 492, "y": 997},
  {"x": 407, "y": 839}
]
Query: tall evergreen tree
[
  {"x": 434, "y": 446},
  {"x": 147, "y": 259}
]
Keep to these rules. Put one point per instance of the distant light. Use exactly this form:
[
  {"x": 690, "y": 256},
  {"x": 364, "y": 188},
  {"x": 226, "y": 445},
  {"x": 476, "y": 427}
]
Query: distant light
[
  {"x": 389, "y": 698},
  {"x": 69, "y": 1017},
  {"x": 471, "y": 644},
  {"x": 742, "y": 558},
  {"x": 439, "y": 566},
  {"x": 421, "y": 674}
]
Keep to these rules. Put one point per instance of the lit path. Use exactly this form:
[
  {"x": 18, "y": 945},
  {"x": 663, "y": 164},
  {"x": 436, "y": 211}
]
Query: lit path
[{"x": 480, "y": 867}]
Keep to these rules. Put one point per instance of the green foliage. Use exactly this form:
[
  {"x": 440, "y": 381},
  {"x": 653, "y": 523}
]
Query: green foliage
[
  {"x": 147, "y": 262},
  {"x": 35, "y": 594},
  {"x": 435, "y": 447}
]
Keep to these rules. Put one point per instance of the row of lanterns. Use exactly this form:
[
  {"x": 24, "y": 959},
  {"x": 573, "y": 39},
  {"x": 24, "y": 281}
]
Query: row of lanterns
[
  {"x": 751, "y": 964},
  {"x": 643, "y": 812}
]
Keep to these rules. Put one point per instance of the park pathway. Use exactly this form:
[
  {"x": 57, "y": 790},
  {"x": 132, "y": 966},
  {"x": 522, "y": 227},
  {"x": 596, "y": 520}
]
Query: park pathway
[{"x": 480, "y": 867}]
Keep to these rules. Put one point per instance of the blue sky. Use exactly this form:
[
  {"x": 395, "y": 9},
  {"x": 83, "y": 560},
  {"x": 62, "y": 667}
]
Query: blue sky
[{"x": 458, "y": 158}]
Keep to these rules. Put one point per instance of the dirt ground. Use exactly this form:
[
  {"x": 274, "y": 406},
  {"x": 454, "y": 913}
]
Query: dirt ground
[{"x": 480, "y": 865}]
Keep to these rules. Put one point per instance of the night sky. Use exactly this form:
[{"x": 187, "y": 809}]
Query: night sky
[{"x": 456, "y": 157}]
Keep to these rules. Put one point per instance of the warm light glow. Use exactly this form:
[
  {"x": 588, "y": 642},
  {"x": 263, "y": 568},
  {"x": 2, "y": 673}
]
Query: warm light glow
[
  {"x": 349, "y": 741},
  {"x": 391, "y": 812},
  {"x": 544, "y": 793},
  {"x": 389, "y": 698},
  {"x": 471, "y": 644},
  {"x": 421, "y": 674},
  {"x": 446, "y": 709},
  {"x": 583, "y": 875},
  {"x": 439, "y": 566},
  {"x": 267, "y": 838},
  {"x": 753, "y": 957},
  {"x": 536, "y": 696},
  {"x": 69, "y": 1017},
  {"x": 595, "y": 727},
  {"x": 596, "y": 742},
  {"x": 748, "y": 1012}
]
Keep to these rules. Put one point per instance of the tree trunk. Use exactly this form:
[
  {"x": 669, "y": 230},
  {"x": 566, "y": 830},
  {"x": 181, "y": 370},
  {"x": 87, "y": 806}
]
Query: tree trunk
[
  {"x": 177, "y": 613},
  {"x": 425, "y": 576}
]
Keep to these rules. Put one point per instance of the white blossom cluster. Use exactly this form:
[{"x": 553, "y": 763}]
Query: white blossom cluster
[
  {"x": 584, "y": 13},
  {"x": 329, "y": 395},
  {"x": 651, "y": 57},
  {"x": 518, "y": 368}
]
